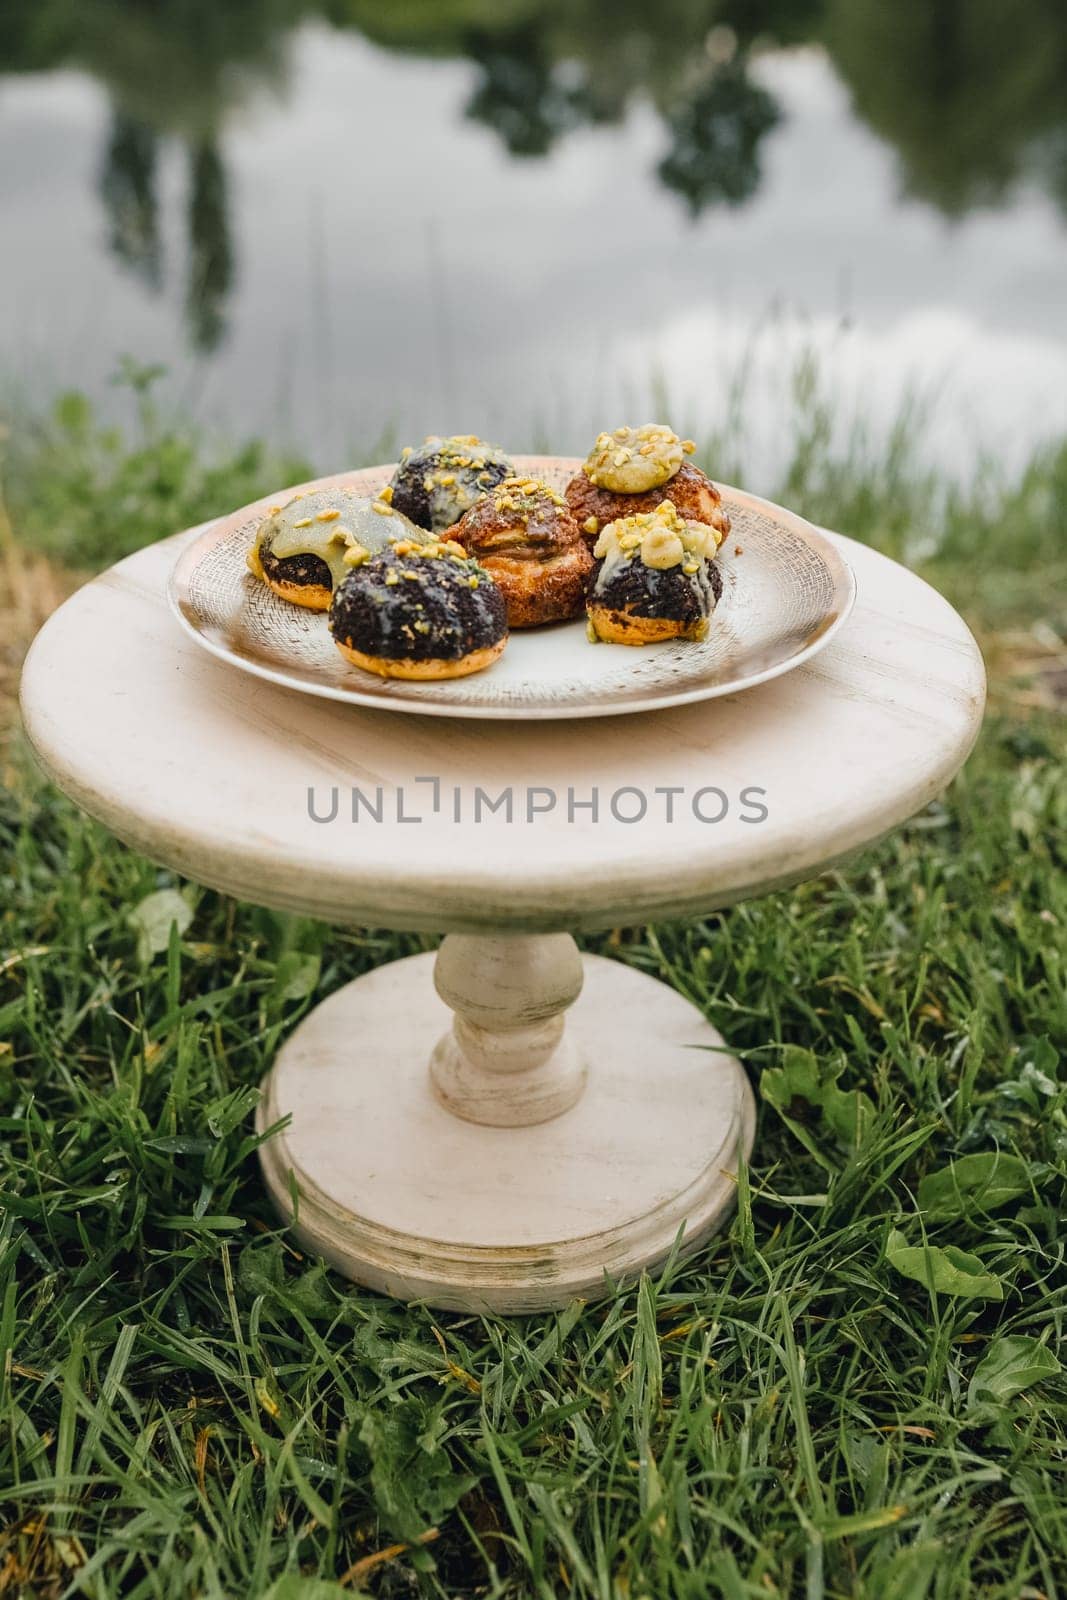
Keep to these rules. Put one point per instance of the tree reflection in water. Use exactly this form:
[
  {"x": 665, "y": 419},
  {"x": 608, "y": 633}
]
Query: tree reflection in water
[
  {"x": 715, "y": 138},
  {"x": 128, "y": 190},
  {"x": 971, "y": 103},
  {"x": 211, "y": 264}
]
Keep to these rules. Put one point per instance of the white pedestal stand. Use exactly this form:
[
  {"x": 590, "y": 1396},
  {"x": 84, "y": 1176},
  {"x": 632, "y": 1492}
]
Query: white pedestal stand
[{"x": 506, "y": 1157}]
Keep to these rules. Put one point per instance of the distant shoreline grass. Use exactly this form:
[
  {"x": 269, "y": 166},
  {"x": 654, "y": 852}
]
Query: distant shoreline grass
[{"x": 855, "y": 1391}]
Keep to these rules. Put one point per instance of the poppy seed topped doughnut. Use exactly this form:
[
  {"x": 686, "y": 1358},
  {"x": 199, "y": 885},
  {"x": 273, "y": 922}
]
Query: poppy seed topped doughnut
[
  {"x": 440, "y": 479},
  {"x": 419, "y": 611},
  {"x": 524, "y": 535}
]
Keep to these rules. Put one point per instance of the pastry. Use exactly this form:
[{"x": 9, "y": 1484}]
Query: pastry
[
  {"x": 419, "y": 610},
  {"x": 303, "y": 549},
  {"x": 633, "y": 470},
  {"x": 655, "y": 578},
  {"x": 525, "y": 537},
  {"x": 440, "y": 479}
]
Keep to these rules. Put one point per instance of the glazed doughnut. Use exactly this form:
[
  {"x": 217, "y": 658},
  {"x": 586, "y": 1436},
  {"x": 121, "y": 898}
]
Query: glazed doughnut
[
  {"x": 303, "y": 548},
  {"x": 525, "y": 537},
  {"x": 419, "y": 611},
  {"x": 440, "y": 479},
  {"x": 655, "y": 579}
]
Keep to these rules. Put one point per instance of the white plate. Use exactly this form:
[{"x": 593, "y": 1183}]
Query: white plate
[{"x": 786, "y": 591}]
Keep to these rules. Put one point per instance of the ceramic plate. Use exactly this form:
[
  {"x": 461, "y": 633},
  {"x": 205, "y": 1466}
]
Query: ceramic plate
[{"x": 786, "y": 591}]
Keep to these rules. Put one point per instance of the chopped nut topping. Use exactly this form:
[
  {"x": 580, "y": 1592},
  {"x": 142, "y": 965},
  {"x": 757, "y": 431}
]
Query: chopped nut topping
[
  {"x": 660, "y": 538},
  {"x": 634, "y": 460}
]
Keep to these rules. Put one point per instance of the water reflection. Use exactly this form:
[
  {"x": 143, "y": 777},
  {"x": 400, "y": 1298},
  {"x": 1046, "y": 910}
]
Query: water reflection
[
  {"x": 128, "y": 189},
  {"x": 715, "y": 137},
  {"x": 970, "y": 106},
  {"x": 173, "y": 69}
]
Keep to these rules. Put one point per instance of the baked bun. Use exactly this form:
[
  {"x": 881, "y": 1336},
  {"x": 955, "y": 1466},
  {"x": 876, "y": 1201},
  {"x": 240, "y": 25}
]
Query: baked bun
[
  {"x": 694, "y": 494},
  {"x": 632, "y": 471},
  {"x": 525, "y": 537},
  {"x": 655, "y": 579},
  {"x": 440, "y": 479},
  {"x": 303, "y": 548},
  {"x": 419, "y": 611}
]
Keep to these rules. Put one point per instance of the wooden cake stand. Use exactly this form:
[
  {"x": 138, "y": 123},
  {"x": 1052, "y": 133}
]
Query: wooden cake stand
[{"x": 507, "y": 1124}]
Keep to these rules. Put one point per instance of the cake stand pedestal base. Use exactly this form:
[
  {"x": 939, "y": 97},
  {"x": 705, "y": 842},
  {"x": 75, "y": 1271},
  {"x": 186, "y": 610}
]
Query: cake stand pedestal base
[{"x": 494, "y": 1156}]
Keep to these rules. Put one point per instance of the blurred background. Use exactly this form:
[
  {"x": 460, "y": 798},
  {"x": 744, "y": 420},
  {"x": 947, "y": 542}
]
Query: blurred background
[{"x": 339, "y": 223}]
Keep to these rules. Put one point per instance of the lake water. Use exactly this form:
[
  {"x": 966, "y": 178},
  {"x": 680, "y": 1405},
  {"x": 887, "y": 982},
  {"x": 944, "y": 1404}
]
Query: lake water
[{"x": 353, "y": 236}]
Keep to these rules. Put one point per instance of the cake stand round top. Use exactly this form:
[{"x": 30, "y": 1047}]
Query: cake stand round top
[{"x": 365, "y": 817}]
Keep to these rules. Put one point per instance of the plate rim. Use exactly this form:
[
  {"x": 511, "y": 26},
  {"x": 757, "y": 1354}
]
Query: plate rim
[{"x": 193, "y": 551}]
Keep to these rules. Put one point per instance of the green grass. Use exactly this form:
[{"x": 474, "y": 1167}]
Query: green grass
[{"x": 190, "y": 1407}]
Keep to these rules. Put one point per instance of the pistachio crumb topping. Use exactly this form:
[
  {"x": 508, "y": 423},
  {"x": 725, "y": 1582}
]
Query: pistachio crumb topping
[
  {"x": 522, "y": 495},
  {"x": 660, "y": 538},
  {"x": 634, "y": 460},
  {"x": 336, "y": 526}
]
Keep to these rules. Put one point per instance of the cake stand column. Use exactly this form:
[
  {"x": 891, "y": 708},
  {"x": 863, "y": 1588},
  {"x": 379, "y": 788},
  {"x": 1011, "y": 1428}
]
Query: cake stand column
[{"x": 508, "y": 1059}]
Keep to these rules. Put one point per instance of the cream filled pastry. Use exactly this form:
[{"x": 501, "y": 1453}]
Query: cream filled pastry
[
  {"x": 524, "y": 535},
  {"x": 440, "y": 479},
  {"x": 655, "y": 578},
  {"x": 419, "y": 611},
  {"x": 632, "y": 470},
  {"x": 303, "y": 549}
]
